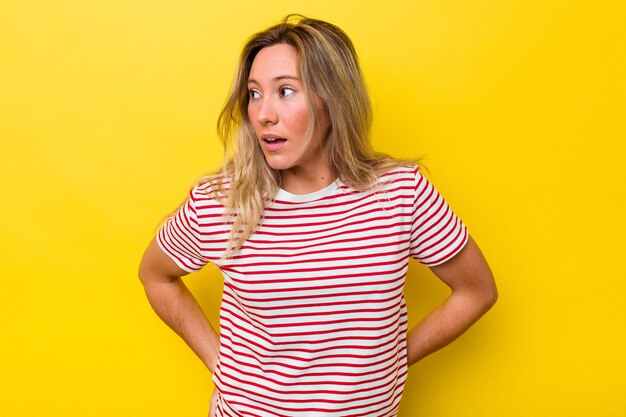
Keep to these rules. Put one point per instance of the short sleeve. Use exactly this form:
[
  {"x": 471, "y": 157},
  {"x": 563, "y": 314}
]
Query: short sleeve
[
  {"x": 179, "y": 237},
  {"x": 437, "y": 234}
]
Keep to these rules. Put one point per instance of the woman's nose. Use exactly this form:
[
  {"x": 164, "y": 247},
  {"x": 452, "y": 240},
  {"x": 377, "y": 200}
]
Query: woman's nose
[{"x": 267, "y": 112}]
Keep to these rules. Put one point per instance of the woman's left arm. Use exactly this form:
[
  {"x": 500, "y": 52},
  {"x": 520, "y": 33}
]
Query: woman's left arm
[{"x": 473, "y": 293}]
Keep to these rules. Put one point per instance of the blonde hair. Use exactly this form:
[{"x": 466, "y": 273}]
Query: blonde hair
[{"x": 329, "y": 69}]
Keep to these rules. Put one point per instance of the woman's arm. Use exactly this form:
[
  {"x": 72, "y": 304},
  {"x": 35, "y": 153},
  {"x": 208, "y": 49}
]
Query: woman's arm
[
  {"x": 473, "y": 293},
  {"x": 175, "y": 305}
]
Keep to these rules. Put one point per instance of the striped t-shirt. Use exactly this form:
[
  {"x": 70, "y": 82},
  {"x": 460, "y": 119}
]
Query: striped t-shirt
[{"x": 313, "y": 320}]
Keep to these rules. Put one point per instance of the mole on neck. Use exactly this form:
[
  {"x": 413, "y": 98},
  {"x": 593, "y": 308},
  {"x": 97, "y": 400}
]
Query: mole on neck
[{"x": 298, "y": 182}]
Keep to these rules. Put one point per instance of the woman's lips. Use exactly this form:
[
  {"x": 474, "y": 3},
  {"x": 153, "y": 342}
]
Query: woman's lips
[{"x": 273, "y": 143}]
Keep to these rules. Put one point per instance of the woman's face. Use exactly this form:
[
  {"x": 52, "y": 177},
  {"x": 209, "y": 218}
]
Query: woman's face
[{"x": 279, "y": 112}]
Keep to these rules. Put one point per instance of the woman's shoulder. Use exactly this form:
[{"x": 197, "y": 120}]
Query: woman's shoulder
[
  {"x": 400, "y": 172},
  {"x": 386, "y": 165},
  {"x": 210, "y": 189}
]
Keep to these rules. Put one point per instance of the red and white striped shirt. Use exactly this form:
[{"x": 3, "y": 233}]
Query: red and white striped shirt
[{"x": 313, "y": 320}]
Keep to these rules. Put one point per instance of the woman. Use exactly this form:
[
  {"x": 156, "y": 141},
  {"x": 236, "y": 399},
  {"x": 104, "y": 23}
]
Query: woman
[{"x": 312, "y": 231}]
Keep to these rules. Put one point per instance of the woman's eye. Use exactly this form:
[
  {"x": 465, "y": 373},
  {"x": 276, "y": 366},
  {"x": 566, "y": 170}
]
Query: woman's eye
[
  {"x": 254, "y": 94},
  {"x": 286, "y": 91}
]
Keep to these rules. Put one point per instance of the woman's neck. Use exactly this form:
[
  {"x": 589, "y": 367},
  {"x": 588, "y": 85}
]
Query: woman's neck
[{"x": 297, "y": 180}]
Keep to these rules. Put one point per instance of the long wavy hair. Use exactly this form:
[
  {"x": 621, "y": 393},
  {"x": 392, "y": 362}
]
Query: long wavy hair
[{"x": 329, "y": 69}]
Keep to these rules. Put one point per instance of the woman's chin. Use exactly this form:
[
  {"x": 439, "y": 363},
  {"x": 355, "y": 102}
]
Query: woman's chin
[{"x": 278, "y": 164}]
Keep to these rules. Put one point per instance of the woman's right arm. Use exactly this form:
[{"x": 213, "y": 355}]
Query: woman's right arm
[{"x": 175, "y": 305}]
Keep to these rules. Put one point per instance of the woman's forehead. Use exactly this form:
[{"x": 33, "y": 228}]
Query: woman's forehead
[{"x": 273, "y": 63}]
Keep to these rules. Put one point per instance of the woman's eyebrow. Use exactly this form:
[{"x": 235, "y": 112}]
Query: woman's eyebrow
[{"x": 277, "y": 78}]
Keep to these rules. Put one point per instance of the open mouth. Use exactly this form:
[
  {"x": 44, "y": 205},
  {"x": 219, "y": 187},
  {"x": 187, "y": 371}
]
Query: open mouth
[
  {"x": 274, "y": 140},
  {"x": 274, "y": 144}
]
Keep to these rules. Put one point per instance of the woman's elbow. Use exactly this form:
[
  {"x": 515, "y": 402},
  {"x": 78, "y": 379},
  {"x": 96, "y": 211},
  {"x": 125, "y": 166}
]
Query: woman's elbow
[
  {"x": 489, "y": 295},
  {"x": 144, "y": 272}
]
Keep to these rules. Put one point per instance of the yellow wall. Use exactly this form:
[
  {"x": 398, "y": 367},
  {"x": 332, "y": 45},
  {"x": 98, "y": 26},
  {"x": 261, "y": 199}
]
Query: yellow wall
[{"x": 107, "y": 114}]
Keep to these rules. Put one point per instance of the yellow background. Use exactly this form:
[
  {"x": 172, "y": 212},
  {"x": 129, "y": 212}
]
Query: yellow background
[{"x": 107, "y": 115}]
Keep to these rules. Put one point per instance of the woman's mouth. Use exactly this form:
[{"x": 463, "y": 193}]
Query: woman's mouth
[{"x": 273, "y": 143}]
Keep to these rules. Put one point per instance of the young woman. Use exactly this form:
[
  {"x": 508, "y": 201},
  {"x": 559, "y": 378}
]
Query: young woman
[{"x": 312, "y": 231}]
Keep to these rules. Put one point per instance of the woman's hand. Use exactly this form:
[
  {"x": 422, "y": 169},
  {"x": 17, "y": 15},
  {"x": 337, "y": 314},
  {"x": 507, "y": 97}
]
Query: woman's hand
[
  {"x": 213, "y": 404},
  {"x": 473, "y": 293}
]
